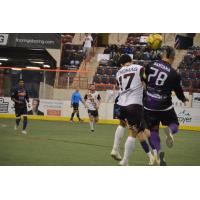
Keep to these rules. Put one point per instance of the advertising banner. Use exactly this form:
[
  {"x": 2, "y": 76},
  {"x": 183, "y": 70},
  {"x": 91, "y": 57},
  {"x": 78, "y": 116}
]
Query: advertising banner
[
  {"x": 31, "y": 40},
  {"x": 196, "y": 100}
]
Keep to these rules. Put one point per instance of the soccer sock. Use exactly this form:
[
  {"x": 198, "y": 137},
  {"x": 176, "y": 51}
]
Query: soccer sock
[
  {"x": 173, "y": 128},
  {"x": 91, "y": 125},
  {"x": 25, "y": 122},
  {"x": 72, "y": 116},
  {"x": 18, "y": 121},
  {"x": 145, "y": 146},
  {"x": 119, "y": 133},
  {"x": 155, "y": 139},
  {"x": 129, "y": 147},
  {"x": 155, "y": 153}
]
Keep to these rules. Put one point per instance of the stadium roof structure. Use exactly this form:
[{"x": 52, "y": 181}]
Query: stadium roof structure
[{"x": 20, "y": 57}]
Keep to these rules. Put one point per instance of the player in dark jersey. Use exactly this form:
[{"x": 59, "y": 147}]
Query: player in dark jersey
[
  {"x": 162, "y": 79},
  {"x": 20, "y": 98}
]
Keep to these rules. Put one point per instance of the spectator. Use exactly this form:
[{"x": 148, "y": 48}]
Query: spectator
[{"x": 87, "y": 46}]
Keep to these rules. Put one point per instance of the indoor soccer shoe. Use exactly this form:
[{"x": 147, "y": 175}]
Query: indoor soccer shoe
[
  {"x": 116, "y": 155},
  {"x": 169, "y": 138},
  {"x": 123, "y": 163},
  {"x": 151, "y": 159},
  {"x": 162, "y": 159},
  {"x": 24, "y": 132}
]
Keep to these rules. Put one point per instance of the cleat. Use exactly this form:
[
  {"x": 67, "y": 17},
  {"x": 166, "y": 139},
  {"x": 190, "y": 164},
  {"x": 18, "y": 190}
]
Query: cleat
[
  {"x": 169, "y": 137},
  {"x": 162, "y": 160},
  {"x": 24, "y": 132},
  {"x": 151, "y": 159},
  {"x": 91, "y": 131},
  {"x": 116, "y": 155},
  {"x": 71, "y": 121},
  {"x": 123, "y": 163}
]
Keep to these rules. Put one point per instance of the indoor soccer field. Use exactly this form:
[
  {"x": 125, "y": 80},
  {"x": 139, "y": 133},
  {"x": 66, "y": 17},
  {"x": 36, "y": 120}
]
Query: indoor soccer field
[{"x": 65, "y": 144}]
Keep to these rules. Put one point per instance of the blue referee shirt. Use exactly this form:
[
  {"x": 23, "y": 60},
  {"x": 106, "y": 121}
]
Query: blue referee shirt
[{"x": 76, "y": 97}]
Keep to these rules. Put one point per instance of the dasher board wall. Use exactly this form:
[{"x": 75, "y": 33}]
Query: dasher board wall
[{"x": 59, "y": 110}]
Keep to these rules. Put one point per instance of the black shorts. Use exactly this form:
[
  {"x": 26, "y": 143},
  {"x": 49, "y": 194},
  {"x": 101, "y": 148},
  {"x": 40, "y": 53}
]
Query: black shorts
[
  {"x": 153, "y": 118},
  {"x": 21, "y": 111},
  {"x": 75, "y": 106},
  {"x": 94, "y": 113},
  {"x": 134, "y": 114},
  {"x": 116, "y": 111}
]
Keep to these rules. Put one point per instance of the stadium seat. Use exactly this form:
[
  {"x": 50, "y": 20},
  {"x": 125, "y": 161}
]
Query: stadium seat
[
  {"x": 108, "y": 71},
  {"x": 192, "y": 74},
  {"x": 105, "y": 79},
  {"x": 112, "y": 80},
  {"x": 100, "y": 71},
  {"x": 186, "y": 84}
]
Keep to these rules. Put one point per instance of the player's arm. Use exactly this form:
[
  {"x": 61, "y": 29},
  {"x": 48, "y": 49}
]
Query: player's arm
[
  {"x": 82, "y": 101},
  {"x": 99, "y": 101},
  {"x": 85, "y": 99},
  {"x": 143, "y": 76},
  {"x": 179, "y": 90},
  {"x": 27, "y": 97},
  {"x": 14, "y": 96}
]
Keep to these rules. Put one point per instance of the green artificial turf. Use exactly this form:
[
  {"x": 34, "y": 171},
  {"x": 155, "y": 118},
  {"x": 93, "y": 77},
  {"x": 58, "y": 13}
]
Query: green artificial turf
[{"x": 61, "y": 143}]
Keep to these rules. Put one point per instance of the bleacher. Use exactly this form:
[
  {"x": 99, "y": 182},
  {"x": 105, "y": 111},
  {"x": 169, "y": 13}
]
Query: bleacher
[
  {"x": 189, "y": 69},
  {"x": 135, "y": 46},
  {"x": 71, "y": 59}
]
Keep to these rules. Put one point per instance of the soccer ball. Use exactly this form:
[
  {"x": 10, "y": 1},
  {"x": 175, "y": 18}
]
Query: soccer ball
[{"x": 154, "y": 41}]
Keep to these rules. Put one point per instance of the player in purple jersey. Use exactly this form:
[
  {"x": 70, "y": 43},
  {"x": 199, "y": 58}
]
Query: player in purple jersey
[
  {"x": 162, "y": 79},
  {"x": 20, "y": 98}
]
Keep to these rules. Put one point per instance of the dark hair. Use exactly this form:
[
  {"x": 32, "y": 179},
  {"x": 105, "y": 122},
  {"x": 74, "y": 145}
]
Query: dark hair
[
  {"x": 167, "y": 51},
  {"x": 124, "y": 59},
  {"x": 36, "y": 100}
]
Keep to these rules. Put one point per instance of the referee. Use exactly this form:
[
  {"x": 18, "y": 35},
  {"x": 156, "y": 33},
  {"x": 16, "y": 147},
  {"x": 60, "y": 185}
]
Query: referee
[{"x": 75, "y": 99}]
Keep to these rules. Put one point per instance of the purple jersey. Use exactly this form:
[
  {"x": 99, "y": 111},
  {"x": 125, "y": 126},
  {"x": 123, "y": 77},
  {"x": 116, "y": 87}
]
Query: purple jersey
[
  {"x": 20, "y": 95},
  {"x": 162, "y": 79}
]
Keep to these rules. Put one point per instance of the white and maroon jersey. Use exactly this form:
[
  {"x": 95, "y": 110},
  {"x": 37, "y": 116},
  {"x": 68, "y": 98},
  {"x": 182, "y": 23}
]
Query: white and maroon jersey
[
  {"x": 92, "y": 100},
  {"x": 129, "y": 79}
]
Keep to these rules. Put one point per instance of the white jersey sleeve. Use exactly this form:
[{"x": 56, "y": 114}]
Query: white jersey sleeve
[
  {"x": 92, "y": 100},
  {"x": 130, "y": 85}
]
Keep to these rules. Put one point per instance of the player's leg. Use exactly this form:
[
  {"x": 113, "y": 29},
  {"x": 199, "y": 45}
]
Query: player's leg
[
  {"x": 133, "y": 115},
  {"x": 119, "y": 133},
  {"x": 78, "y": 115},
  {"x": 25, "y": 119},
  {"x": 152, "y": 122},
  {"x": 17, "y": 119},
  {"x": 91, "y": 122},
  {"x": 73, "y": 113},
  {"x": 129, "y": 146},
  {"x": 25, "y": 123},
  {"x": 170, "y": 119},
  {"x": 143, "y": 142}
]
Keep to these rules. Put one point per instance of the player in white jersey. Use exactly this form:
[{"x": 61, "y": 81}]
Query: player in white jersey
[
  {"x": 130, "y": 81},
  {"x": 92, "y": 99}
]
